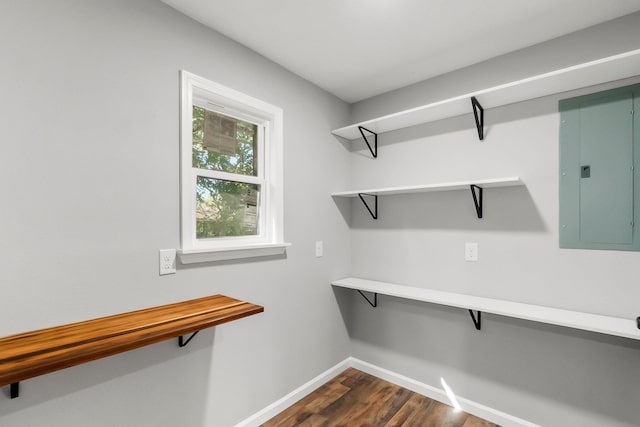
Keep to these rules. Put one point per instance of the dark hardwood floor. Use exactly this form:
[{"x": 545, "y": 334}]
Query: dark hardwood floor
[{"x": 356, "y": 399}]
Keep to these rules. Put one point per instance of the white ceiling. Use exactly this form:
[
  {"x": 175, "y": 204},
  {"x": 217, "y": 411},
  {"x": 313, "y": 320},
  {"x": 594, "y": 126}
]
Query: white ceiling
[{"x": 356, "y": 49}]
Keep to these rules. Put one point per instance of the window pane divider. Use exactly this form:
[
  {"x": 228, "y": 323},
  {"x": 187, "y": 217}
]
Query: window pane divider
[{"x": 227, "y": 176}]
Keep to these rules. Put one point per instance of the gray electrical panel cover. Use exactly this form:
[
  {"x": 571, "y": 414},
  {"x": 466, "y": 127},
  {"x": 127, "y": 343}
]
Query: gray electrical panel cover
[{"x": 599, "y": 152}]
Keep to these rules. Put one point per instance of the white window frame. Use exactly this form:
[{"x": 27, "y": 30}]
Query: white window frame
[{"x": 269, "y": 119}]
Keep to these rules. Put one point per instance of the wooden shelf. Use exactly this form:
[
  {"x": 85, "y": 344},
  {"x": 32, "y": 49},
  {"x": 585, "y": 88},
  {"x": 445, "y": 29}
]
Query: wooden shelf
[
  {"x": 626, "y": 328},
  {"x": 445, "y": 186},
  {"x": 30, "y": 354},
  {"x": 603, "y": 70}
]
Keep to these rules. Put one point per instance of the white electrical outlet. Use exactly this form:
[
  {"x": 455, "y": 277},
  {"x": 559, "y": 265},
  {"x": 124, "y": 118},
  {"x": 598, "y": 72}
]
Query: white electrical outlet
[
  {"x": 319, "y": 249},
  {"x": 167, "y": 261},
  {"x": 471, "y": 252}
]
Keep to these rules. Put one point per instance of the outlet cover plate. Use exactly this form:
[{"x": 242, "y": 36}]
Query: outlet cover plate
[
  {"x": 167, "y": 261},
  {"x": 471, "y": 252}
]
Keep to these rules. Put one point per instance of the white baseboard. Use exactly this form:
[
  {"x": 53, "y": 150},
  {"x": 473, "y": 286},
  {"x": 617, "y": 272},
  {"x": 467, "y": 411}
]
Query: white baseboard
[
  {"x": 280, "y": 405},
  {"x": 471, "y": 407}
]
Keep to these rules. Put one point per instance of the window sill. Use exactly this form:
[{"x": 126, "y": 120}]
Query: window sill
[{"x": 194, "y": 256}]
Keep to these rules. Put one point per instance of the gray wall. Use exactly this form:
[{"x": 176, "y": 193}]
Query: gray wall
[
  {"x": 89, "y": 183},
  {"x": 548, "y": 375},
  {"x": 89, "y": 178}
]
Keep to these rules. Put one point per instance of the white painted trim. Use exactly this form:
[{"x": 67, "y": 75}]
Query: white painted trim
[
  {"x": 431, "y": 392},
  {"x": 269, "y": 118},
  {"x": 226, "y": 176},
  {"x": 435, "y": 393},
  {"x": 280, "y": 405},
  {"x": 236, "y": 252}
]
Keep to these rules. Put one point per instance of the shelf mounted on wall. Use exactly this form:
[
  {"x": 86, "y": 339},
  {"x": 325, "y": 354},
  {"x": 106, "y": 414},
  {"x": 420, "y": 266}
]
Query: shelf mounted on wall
[
  {"x": 475, "y": 316},
  {"x": 477, "y": 320},
  {"x": 627, "y": 327},
  {"x": 477, "y": 198},
  {"x": 373, "y": 304},
  {"x": 14, "y": 390},
  {"x": 374, "y": 150},
  {"x": 477, "y": 187},
  {"x": 34, "y": 353},
  {"x": 602, "y": 70},
  {"x": 182, "y": 342},
  {"x": 478, "y": 114},
  {"x": 374, "y": 212}
]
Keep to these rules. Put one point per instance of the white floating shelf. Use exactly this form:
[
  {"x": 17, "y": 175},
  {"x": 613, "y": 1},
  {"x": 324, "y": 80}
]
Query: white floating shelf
[
  {"x": 445, "y": 186},
  {"x": 603, "y": 70},
  {"x": 616, "y": 326}
]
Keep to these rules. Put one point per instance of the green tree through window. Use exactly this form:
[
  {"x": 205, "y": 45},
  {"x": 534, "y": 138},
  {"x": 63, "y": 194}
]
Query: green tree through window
[{"x": 225, "y": 208}]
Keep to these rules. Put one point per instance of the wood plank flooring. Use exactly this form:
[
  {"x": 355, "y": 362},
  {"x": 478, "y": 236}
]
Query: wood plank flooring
[{"x": 357, "y": 399}]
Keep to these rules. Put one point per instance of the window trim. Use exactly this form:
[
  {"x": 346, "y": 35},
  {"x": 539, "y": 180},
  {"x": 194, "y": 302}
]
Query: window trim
[{"x": 270, "y": 240}]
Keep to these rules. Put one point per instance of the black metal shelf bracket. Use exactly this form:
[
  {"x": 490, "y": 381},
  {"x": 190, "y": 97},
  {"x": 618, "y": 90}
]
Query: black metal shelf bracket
[
  {"x": 14, "y": 390},
  {"x": 374, "y": 150},
  {"x": 478, "y": 113},
  {"x": 477, "y": 199},
  {"x": 477, "y": 321},
  {"x": 182, "y": 342},
  {"x": 374, "y": 212},
  {"x": 375, "y": 298}
]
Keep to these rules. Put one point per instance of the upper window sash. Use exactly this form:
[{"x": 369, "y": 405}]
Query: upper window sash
[{"x": 220, "y": 99}]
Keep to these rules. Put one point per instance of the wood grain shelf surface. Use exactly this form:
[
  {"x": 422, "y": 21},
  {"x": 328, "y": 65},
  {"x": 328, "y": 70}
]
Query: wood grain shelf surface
[{"x": 39, "y": 352}]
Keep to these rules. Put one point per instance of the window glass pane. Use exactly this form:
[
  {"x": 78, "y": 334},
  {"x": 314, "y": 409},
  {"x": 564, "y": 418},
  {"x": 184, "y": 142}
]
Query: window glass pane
[
  {"x": 226, "y": 208},
  {"x": 223, "y": 143}
]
